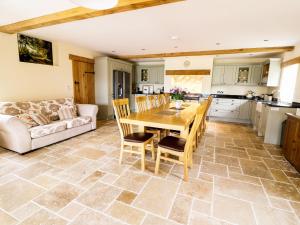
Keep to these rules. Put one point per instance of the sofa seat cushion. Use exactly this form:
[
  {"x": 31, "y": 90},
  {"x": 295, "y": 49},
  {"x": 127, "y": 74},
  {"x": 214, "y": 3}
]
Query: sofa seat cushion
[
  {"x": 41, "y": 131},
  {"x": 78, "y": 121}
]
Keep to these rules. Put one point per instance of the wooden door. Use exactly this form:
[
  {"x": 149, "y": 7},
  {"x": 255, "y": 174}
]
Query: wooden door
[
  {"x": 83, "y": 80},
  {"x": 290, "y": 140}
]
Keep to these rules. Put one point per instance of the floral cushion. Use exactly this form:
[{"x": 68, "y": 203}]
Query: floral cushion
[
  {"x": 41, "y": 131},
  {"x": 49, "y": 107},
  {"x": 27, "y": 119},
  {"x": 78, "y": 121}
]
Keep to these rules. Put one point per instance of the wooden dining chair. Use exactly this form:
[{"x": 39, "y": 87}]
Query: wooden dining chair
[
  {"x": 128, "y": 137},
  {"x": 202, "y": 126},
  {"x": 167, "y": 98},
  {"x": 142, "y": 106},
  {"x": 160, "y": 100},
  {"x": 152, "y": 101},
  {"x": 180, "y": 147}
]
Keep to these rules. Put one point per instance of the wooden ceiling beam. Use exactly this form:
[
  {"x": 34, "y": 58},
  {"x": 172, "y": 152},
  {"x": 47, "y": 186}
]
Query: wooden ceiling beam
[
  {"x": 187, "y": 72},
  {"x": 212, "y": 52},
  {"x": 80, "y": 13},
  {"x": 291, "y": 62}
]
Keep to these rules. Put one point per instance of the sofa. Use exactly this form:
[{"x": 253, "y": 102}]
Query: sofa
[{"x": 17, "y": 136}]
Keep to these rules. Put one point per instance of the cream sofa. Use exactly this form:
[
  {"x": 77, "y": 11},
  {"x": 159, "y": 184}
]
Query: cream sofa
[{"x": 16, "y": 136}]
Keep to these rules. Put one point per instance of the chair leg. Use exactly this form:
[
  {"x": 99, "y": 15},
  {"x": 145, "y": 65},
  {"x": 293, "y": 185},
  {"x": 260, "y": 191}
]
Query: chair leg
[
  {"x": 143, "y": 158},
  {"x": 152, "y": 150},
  {"x": 157, "y": 161},
  {"x": 121, "y": 153},
  {"x": 186, "y": 170}
]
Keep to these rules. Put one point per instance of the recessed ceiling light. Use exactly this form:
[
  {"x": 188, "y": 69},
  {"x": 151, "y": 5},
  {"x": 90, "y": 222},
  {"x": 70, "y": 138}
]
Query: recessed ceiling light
[
  {"x": 113, "y": 51},
  {"x": 175, "y": 46},
  {"x": 143, "y": 49},
  {"x": 266, "y": 40},
  {"x": 218, "y": 43},
  {"x": 174, "y": 37}
]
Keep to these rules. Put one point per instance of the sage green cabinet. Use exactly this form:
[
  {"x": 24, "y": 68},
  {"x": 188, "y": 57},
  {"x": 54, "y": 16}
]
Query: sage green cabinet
[
  {"x": 149, "y": 74},
  {"x": 218, "y": 75},
  {"x": 256, "y": 75},
  {"x": 230, "y": 75}
]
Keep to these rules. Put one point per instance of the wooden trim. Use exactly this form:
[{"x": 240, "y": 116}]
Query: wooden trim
[
  {"x": 291, "y": 62},
  {"x": 212, "y": 52},
  {"x": 187, "y": 72},
  {"x": 81, "y": 59},
  {"x": 80, "y": 13}
]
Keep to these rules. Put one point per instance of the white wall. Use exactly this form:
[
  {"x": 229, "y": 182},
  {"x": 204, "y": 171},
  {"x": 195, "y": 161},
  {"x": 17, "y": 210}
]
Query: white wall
[
  {"x": 194, "y": 84},
  {"x": 26, "y": 81}
]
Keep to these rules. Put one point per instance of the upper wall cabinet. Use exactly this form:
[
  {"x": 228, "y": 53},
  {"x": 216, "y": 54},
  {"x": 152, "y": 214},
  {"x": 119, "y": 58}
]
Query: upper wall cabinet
[
  {"x": 149, "y": 74},
  {"x": 237, "y": 74}
]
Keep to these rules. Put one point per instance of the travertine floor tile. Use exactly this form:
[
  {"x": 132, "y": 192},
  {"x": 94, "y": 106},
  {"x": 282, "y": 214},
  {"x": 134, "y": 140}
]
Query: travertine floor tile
[
  {"x": 34, "y": 170},
  {"x": 71, "y": 210},
  {"x": 58, "y": 197},
  {"x": 241, "y": 190},
  {"x": 132, "y": 181},
  {"x": 157, "y": 196},
  {"x": 91, "y": 179},
  {"x": 271, "y": 216},
  {"x": 214, "y": 169},
  {"x": 198, "y": 219},
  {"x": 26, "y": 211},
  {"x": 255, "y": 168},
  {"x": 202, "y": 207},
  {"x": 181, "y": 209},
  {"x": 7, "y": 219},
  {"x": 89, "y": 217},
  {"x": 197, "y": 188},
  {"x": 99, "y": 196},
  {"x": 281, "y": 190},
  {"x": 154, "y": 220},
  {"x": 233, "y": 210},
  {"x": 125, "y": 213},
  {"x": 90, "y": 153},
  {"x": 45, "y": 218},
  {"x": 16, "y": 193},
  {"x": 127, "y": 197}
]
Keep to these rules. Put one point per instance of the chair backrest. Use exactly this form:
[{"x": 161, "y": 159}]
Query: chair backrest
[
  {"x": 209, "y": 101},
  {"x": 141, "y": 103},
  {"x": 121, "y": 108},
  {"x": 152, "y": 101},
  {"x": 160, "y": 99},
  {"x": 198, "y": 119},
  {"x": 167, "y": 98}
]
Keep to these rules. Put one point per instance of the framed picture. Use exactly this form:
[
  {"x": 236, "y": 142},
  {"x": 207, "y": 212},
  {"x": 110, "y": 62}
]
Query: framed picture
[
  {"x": 34, "y": 50},
  {"x": 144, "y": 75}
]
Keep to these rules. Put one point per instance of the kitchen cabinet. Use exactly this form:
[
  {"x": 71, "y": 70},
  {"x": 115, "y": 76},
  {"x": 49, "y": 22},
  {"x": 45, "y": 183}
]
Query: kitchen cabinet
[
  {"x": 243, "y": 74},
  {"x": 244, "y": 113},
  {"x": 149, "y": 74},
  {"x": 256, "y": 74},
  {"x": 229, "y": 75},
  {"x": 291, "y": 145},
  {"x": 218, "y": 75},
  {"x": 231, "y": 110}
]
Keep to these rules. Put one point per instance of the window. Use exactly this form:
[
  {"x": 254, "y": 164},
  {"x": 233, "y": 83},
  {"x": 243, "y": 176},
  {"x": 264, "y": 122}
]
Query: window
[{"x": 288, "y": 82}]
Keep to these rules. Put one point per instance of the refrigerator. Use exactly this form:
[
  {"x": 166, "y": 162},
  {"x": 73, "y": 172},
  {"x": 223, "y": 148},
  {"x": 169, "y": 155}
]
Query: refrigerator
[{"x": 121, "y": 84}]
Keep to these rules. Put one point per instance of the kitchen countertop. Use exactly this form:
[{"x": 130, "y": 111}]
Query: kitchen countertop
[{"x": 268, "y": 103}]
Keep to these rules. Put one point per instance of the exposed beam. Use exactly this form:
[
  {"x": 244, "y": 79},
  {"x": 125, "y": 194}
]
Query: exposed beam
[
  {"x": 187, "y": 72},
  {"x": 81, "y": 59},
  {"x": 79, "y": 13},
  {"x": 291, "y": 62},
  {"x": 212, "y": 52}
]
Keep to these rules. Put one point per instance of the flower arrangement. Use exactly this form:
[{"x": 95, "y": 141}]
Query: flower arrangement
[{"x": 177, "y": 94}]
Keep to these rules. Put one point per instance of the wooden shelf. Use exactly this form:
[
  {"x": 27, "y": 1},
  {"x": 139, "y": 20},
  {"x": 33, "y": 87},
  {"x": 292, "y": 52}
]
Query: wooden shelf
[{"x": 187, "y": 72}]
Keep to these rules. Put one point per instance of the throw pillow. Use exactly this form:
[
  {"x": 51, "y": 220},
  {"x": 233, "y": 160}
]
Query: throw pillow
[
  {"x": 26, "y": 118},
  {"x": 40, "y": 118},
  {"x": 66, "y": 113}
]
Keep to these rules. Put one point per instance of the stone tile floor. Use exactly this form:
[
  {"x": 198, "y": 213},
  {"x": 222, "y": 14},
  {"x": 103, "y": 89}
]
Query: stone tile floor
[{"x": 236, "y": 179}]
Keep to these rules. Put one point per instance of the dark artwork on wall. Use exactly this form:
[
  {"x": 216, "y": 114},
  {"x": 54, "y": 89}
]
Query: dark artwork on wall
[{"x": 34, "y": 50}]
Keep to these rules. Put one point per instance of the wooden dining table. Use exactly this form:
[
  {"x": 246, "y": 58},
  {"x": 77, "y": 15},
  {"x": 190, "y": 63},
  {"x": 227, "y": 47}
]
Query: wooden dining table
[{"x": 165, "y": 117}]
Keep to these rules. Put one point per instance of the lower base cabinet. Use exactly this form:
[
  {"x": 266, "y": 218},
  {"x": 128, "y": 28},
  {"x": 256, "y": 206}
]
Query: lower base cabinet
[{"x": 291, "y": 144}]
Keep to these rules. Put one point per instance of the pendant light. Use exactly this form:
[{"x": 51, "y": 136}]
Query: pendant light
[{"x": 96, "y": 4}]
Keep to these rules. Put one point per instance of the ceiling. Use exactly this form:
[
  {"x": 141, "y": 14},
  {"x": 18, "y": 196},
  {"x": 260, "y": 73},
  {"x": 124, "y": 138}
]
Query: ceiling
[{"x": 198, "y": 24}]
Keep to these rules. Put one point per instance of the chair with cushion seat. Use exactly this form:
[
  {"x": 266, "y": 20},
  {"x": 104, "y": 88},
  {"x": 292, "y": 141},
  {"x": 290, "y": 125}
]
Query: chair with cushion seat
[
  {"x": 180, "y": 147},
  {"x": 167, "y": 98},
  {"x": 142, "y": 106},
  {"x": 160, "y": 100},
  {"x": 128, "y": 137},
  {"x": 152, "y": 101}
]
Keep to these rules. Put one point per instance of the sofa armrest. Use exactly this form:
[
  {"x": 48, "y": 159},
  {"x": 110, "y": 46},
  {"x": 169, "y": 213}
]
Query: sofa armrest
[
  {"x": 14, "y": 134},
  {"x": 88, "y": 110}
]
